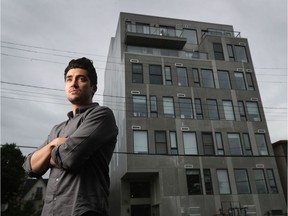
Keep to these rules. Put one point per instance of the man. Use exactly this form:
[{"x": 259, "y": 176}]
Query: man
[{"x": 78, "y": 151}]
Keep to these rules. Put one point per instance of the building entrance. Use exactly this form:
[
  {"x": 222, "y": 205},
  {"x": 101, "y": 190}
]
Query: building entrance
[{"x": 140, "y": 210}]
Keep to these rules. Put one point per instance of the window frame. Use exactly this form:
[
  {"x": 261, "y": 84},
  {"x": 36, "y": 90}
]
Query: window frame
[
  {"x": 213, "y": 112},
  {"x": 226, "y": 183},
  {"x": 233, "y": 145},
  {"x": 139, "y": 148},
  {"x": 228, "y": 109},
  {"x": 260, "y": 146},
  {"x": 182, "y": 76},
  {"x": 208, "y": 147},
  {"x": 136, "y": 111},
  {"x": 207, "y": 78},
  {"x": 155, "y": 76},
  {"x": 224, "y": 79},
  {"x": 153, "y": 106},
  {"x": 263, "y": 181},
  {"x": 218, "y": 51},
  {"x": 169, "y": 101},
  {"x": 185, "y": 108},
  {"x": 242, "y": 182},
  {"x": 136, "y": 73},
  {"x": 159, "y": 144},
  {"x": 195, "y": 173},
  {"x": 190, "y": 143}
]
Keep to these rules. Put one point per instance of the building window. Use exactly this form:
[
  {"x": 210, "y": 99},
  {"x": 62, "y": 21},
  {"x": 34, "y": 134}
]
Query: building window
[
  {"x": 185, "y": 105},
  {"x": 137, "y": 73},
  {"x": 143, "y": 28},
  {"x": 139, "y": 106},
  {"x": 240, "y": 81},
  {"x": 194, "y": 181},
  {"x": 182, "y": 76},
  {"x": 250, "y": 81},
  {"x": 260, "y": 181},
  {"x": 223, "y": 181},
  {"x": 208, "y": 144},
  {"x": 139, "y": 189},
  {"x": 196, "y": 77},
  {"x": 168, "y": 75},
  {"x": 160, "y": 142},
  {"x": 253, "y": 111},
  {"x": 242, "y": 111},
  {"x": 234, "y": 144},
  {"x": 198, "y": 108},
  {"x": 228, "y": 110},
  {"x": 155, "y": 72},
  {"x": 207, "y": 78},
  {"x": 153, "y": 106},
  {"x": 218, "y": 51},
  {"x": 212, "y": 109},
  {"x": 190, "y": 143},
  {"x": 173, "y": 142},
  {"x": 219, "y": 143},
  {"x": 242, "y": 182},
  {"x": 140, "y": 139},
  {"x": 168, "y": 106},
  {"x": 190, "y": 35},
  {"x": 230, "y": 52},
  {"x": 261, "y": 144},
  {"x": 224, "y": 79},
  {"x": 241, "y": 54},
  {"x": 167, "y": 31},
  {"x": 208, "y": 181},
  {"x": 271, "y": 181},
  {"x": 247, "y": 144}
]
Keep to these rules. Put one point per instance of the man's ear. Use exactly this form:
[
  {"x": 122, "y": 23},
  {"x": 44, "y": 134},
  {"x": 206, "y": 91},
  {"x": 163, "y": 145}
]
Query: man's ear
[{"x": 94, "y": 89}]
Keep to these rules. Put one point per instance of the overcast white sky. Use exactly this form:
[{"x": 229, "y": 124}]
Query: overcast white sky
[{"x": 39, "y": 37}]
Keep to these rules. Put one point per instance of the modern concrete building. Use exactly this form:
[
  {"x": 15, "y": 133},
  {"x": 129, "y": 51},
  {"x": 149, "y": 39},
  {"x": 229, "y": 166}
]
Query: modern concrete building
[{"x": 193, "y": 137}]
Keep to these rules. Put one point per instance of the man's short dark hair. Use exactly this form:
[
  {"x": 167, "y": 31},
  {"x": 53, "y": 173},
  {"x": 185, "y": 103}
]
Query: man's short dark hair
[{"x": 86, "y": 64}]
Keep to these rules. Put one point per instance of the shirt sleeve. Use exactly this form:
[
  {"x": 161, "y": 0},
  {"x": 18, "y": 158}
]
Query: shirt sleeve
[{"x": 97, "y": 129}]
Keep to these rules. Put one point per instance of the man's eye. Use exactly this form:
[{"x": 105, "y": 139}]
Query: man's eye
[{"x": 68, "y": 80}]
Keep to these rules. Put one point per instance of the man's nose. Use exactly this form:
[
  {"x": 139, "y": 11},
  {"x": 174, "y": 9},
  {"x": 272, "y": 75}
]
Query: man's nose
[{"x": 74, "y": 83}]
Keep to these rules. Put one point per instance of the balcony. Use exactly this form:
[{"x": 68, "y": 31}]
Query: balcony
[
  {"x": 158, "y": 37},
  {"x": 220, "y": 33}
]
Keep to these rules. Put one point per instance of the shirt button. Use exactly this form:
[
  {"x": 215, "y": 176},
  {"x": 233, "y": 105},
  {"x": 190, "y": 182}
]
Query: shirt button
[
  {"x": 54, "y": 199},
  {"x": 57, "y": 179}
]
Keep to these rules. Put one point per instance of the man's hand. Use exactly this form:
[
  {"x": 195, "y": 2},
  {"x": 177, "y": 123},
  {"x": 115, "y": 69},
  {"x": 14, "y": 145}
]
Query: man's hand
[{"x": 56, "y": 142}]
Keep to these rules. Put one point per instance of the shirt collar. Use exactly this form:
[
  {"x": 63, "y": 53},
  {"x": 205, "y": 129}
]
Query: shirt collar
[{"x": 81, "y": 109}]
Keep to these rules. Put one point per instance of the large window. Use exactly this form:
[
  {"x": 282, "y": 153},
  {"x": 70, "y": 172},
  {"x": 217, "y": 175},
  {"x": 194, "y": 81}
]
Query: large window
[
  {"x": 194, "y": 181},
  {"x": 182, "y": 76},
  {"x": 140, "y": 140},
  {"x": 228, "y": 110},
  {"x": 241, "y": 54},
  {"x": 224, "y": 79},
  {"x": 218, "y": 51},
  {"x": 260, "y": 182},
  {"x": 191, "y": 36},
  {"x": 261, "y": 144},
  {"x": 271, "y": 181},
  {"x": 242, "y": 182},
  {"x": 185, "y": 105},
  {"x": 139, "y": 106},
  {"x": 153, "y": 106},
  {"x": 160, "y": 142},
  {"x": 240, "y": 81},
  {"x": 207, "y": 78},
  {"x": 212, "y": 109},
  {"x": 223, "y": 181},
  {"x": 253, "y": 111},
  {"x": 168, "y": 106},
  {"x": 137, "y": 73},
  {"x": 198, "y": 108},
  {"x": 208, "y": 144},
  {"x": 142, "y": 28},
  {"x": 208, "y": 181},
  {"x": 173, "y": 142},
  {"x": 168, "y": 75},
  {"x": 234, "y": 144},
  {"x": 155, "y": 72},
  {"x": 190, "y": 143}
]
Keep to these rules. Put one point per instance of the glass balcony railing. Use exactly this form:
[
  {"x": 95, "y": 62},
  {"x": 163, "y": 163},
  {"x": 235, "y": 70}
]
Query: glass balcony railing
[
  {"x": 151, "y": 30},
  {"x": 220, "y": 33},
  {"x": 167, "y": 52}
]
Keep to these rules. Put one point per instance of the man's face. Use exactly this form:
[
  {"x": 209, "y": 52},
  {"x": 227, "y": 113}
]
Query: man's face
[{"x": 78, "y": 88}]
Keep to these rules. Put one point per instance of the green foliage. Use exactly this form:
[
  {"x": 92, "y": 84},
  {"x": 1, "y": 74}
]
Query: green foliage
[{"x": 12, "y": 175}]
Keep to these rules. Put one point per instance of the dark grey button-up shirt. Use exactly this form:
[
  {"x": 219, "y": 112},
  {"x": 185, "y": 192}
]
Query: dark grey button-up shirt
[{"x": 80, "y": 181}]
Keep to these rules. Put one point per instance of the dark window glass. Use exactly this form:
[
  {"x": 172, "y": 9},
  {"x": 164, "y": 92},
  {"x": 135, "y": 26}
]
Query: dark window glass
[
  {"x": 193, "y": 181},
  {"x": 230, "y": 52},
  {"x": 219, "y": 143},
  {"x": 247, "y": 145},
  {"x": 234, "y": 144},
  {"x": 198, "y": 108},
  {"x": 196, "y": 77},
  {"x": 241, "y": 54},
  {"x": 139, "y": 189},
  {"x": 207, "y": 78},
  {"x": 223, "y": 181},
  {"x": 191, "y": 36},
  {"x": 271, "y": 181},
  {"x": 242, "y": 111},
  {"x": 140, "y": 139},
  {"x": 137, "y": 73},
  {"x": 168, "y": 106},
  {"x": 261, "y": 144},
  {"x": 185, "y": 105},
  {"x": 182, "y": 76},
  {"x": 239, "y": 79},
  {"x": 253, "y": 111},
  {"x": 208, "y": 181},
  {"x": 168, "y": 75},
  {"x": 139, "y": 106},
  {"x": 212, "y": 109},
  {"x": 153, "y": 106},
  {"x": 224, "y": 80},
  {"x": 161, "y": 142},
  {"x": 250, "y": 81},
  {"x": 155, "y": 72},
  {"x": 260, "y": 182},
  {"x": 208, "y": 144},
  {"x": 142, "y": 28},
  {"x": 218, "y": 51},
  {"x": 228, "y": 110},
  {"x": 242, "y": 182},
  {"x": 173, "y": 143}
]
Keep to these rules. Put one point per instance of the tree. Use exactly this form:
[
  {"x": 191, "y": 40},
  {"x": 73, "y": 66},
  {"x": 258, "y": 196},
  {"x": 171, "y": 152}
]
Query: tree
[{"x": 12, "y": 176}]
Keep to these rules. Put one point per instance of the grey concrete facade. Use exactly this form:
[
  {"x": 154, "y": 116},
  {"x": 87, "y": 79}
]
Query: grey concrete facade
[{"x": 197, "y": 173}]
